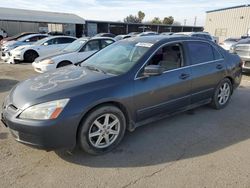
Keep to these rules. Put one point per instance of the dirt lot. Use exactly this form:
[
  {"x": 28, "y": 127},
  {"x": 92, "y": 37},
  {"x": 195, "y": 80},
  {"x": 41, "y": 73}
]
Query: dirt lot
[{"x": 208, "y": 148}]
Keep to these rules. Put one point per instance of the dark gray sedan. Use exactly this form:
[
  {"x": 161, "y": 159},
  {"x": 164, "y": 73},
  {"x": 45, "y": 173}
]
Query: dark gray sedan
[{"x": 128, "y": 84}]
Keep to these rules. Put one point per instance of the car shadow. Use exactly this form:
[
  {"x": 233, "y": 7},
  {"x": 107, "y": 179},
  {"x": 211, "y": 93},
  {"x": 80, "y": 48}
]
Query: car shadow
[
  {"x": 184, "y": 136},
  {"x": 7, "y": 84}
]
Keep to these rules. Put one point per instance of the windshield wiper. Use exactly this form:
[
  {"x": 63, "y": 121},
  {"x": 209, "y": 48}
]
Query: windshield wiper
[{"x": 93, "y": 68}]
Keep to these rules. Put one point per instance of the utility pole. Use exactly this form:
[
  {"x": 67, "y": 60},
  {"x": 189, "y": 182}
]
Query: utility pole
[
  {"x": 195, "y": 20},
  {"x": 185, "y": 22}
]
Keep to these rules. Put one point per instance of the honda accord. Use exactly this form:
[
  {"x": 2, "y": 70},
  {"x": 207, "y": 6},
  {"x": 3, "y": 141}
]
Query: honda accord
[{"x": 127, "y": 84}]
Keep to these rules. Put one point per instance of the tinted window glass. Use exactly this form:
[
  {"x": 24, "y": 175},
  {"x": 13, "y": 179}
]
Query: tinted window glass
[
  {"x": 217, "y": 55},
  {"x": 92, "y": 46},
  {"x": 33, "y": 39},
  {"x": 169, "y": 57},
  {"x": 105, "y": 43},
  {"x": 64, "y": 40},
  {"x": 50, "y": 42},
  {"x": 200, "y": 52}
]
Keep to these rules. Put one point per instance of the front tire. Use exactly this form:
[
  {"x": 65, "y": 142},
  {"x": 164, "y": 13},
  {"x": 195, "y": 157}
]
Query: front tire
[
  {"x": 222, "y": 94},
  {"x": 30, "y": 56},
  {"x": 102, "y": 130}
]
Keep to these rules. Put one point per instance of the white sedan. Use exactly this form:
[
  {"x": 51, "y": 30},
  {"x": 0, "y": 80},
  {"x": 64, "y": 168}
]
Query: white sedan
[
  {"x": 40, "y": 48},
  {"x": 74, "y": 53}
]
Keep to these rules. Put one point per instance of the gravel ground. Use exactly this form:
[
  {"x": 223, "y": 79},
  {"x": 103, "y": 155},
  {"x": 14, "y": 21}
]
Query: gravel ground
[{"x": 207, "y": 148}]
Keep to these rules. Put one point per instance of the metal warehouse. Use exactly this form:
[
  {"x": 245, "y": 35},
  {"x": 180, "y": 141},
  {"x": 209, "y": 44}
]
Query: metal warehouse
[
  {"x": 93, "y": 27},
  {"x": 19, "y": 20},
  {"x": 229, "y": 22}
]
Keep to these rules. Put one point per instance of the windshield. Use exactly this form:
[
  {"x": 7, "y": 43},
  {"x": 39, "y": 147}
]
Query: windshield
[
  {"x": 22, "y": 38},
  {"x": 118, "y": 58},
  {"x": 75, "y": 46}
]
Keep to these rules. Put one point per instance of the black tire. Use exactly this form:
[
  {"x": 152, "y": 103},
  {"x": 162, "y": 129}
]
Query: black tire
[
  {"x": 216, "y": 98},
  {"x": 1, "y": 37},
  {"x": 30, "y": 56},
  {"x": 63, "y": 64},
  {"x": 86, "y": 127}
]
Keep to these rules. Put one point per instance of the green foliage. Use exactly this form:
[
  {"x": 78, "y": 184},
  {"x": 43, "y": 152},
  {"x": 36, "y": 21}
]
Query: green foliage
[{"x": 168, "y": 20}]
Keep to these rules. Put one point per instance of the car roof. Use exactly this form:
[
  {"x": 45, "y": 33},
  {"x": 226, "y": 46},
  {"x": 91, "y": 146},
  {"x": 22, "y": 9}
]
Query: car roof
[
  {"x": 102, "y": 38},
  {"x": 163, "y": 38},
  {"x": 60, "y": 36},
  {"x": 32, "y": 35}
]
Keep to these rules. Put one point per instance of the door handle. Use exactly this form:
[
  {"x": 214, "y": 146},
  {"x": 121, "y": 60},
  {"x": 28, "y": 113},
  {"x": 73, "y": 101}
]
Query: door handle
[
  {"x": 219, "y": 66},
  {"x": 184, "y": 76}
]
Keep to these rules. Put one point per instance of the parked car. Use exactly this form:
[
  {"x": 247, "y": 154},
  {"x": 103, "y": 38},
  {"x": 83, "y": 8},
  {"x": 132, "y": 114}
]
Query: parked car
[
  {"x": 242, "y": 48},
  {"x": 121, "y": 37},
  {"x": 203, "y": 35},
  {"x": 147, "y": 33},
  {"x": 72, "y": 54},
  {"x": 26, "y": 40},
  {"x": 123, "y": 86},
  {"x": 228, "y": 43},
  {"x": 3, "y": 34},
  {"x": 56, "y": 33},
  {"x": 15, "y": 37},
  {"x": 167, "y": 33},
  {"x": 125, "y": 36},
  {"x": 105, "y": 35},
  {"x": 42, "y": 47}
]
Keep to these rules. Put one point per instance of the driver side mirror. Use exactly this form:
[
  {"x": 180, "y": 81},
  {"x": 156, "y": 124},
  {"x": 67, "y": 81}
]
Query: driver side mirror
[
  {"x": 28, "y": 40},
  {"x": 153, "y": 70},
  {"x": 45, "y": 44}
]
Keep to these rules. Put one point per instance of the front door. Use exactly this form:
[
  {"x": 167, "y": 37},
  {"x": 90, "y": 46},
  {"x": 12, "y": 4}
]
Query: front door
[{"x": 165, "y": 93}]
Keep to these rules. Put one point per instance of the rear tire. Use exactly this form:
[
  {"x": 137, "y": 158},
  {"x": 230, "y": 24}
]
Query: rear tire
[
  {"x": 222, "y": 94},
  {"x": 30, "y": 56},
  {"x": 102, "y": 130}
]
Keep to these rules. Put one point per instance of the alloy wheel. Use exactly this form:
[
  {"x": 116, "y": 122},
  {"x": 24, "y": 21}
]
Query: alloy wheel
[{"x": 104, "y": 130}]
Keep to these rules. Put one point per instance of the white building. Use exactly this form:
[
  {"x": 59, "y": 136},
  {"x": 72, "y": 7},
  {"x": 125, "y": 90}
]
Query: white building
[
  {"x": 19, "y": 20},
  {"x": 229, "y": 22}
]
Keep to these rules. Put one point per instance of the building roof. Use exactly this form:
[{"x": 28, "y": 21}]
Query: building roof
[
  {"x": 11, "y": 14},
  {"x": 240, "y": 6},
  {"x": 142, "y": 24}
]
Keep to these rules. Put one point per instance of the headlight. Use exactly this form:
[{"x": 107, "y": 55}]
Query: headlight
[
  {"x": 47, "y": 61},
  {"x": 44, "y": 111},
  {"x": 232, "y": 49}
]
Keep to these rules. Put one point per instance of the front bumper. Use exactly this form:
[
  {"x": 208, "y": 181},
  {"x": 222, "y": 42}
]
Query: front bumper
[
  {"x": 41, "y": 68},
  {"x": 246, "y": 63},
  {"x": 47, "y": 134}
]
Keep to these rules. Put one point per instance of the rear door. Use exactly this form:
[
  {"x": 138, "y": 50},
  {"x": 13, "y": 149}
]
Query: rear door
[
  {"x": 208, "y": 69},
  {"x": 165, "y": 93}
]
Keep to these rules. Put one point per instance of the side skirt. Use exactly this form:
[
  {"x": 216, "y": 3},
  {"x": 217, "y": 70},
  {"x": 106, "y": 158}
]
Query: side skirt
[{"x": 133, "y": 125}]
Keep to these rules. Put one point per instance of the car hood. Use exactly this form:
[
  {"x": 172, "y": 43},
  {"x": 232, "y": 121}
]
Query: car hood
[
  {"x": 20, "y": 48},
  {"x": 52, "y": 55},
  {"x": 62, "y": 83}
]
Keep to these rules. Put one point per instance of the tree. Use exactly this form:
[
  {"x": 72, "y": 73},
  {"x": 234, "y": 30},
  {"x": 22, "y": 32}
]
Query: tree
[
  {"x": 141, "y": 15},
  {"x": 168, "y": 20},
  {"x": 156, "y": 20},
  {"x": 135, "y": 19}
]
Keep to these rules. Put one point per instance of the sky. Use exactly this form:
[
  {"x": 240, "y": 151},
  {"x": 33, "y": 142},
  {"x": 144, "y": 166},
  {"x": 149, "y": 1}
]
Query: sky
[{"x": 117, "y": 10}]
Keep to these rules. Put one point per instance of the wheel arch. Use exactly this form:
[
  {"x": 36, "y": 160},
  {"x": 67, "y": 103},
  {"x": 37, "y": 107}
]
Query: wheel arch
[
  {"x": 129, "y": 125},
  {"x": 63, "y": 61}
]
